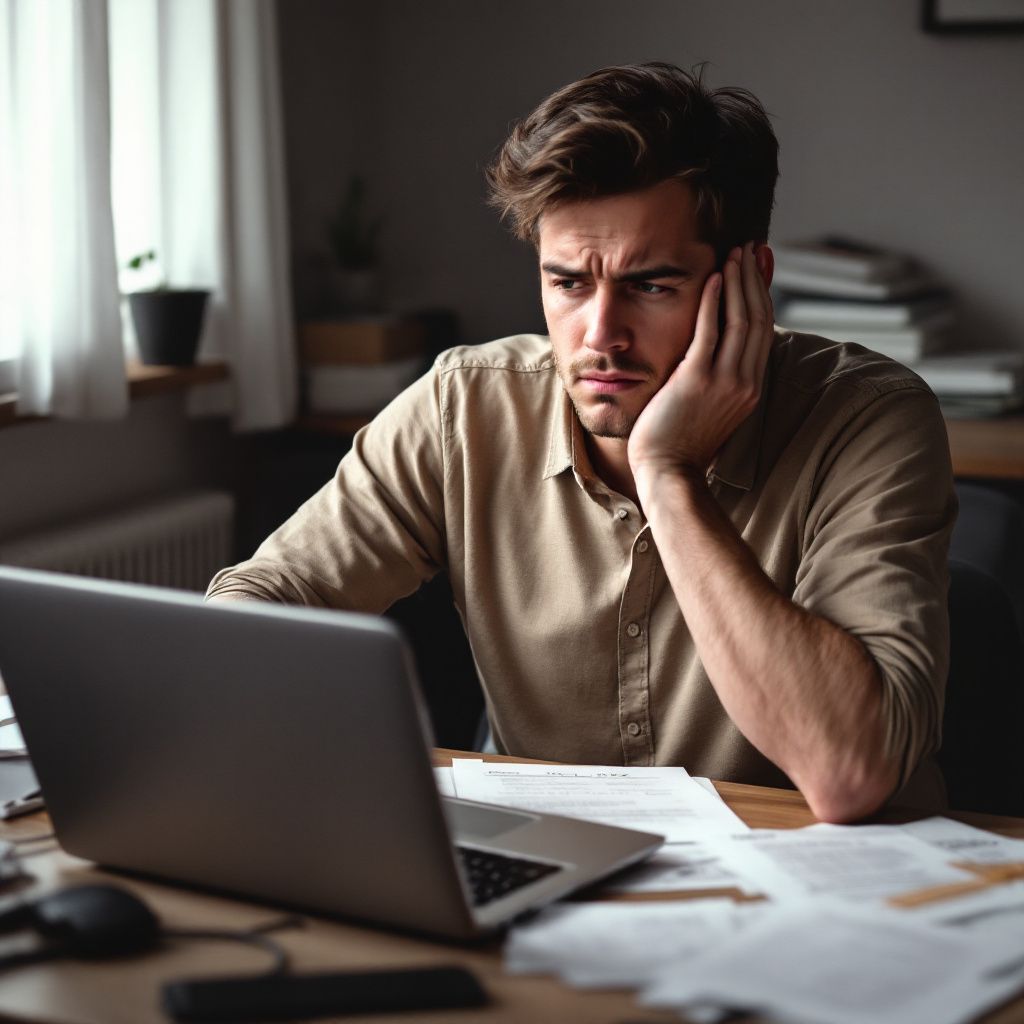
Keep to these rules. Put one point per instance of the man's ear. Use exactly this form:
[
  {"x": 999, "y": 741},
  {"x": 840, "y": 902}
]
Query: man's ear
[{"x": 765, "y": 262}]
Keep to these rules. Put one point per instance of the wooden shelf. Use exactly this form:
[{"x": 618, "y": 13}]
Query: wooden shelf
[
  {"x": 143, "y": 381},
  {"x": 328, "y": 423},
  {"x": 990, "y": 449}
]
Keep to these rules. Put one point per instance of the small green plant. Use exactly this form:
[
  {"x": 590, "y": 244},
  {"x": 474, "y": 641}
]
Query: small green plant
[
  {"x": 139, "y": 262},
  {"x": 353, "y": 235}
]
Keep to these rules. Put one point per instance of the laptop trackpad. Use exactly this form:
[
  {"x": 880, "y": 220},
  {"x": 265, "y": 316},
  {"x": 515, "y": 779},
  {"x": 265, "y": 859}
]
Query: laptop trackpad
[{"x": 467, "y": 820}]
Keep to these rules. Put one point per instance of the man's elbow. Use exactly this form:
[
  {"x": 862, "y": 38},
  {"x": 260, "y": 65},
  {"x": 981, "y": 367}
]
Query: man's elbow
[{"x": 849, "y": 796}]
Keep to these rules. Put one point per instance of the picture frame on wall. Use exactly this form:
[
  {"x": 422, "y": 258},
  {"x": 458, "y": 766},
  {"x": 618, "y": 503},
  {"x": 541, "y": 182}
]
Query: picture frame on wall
[{"x": 961, "y": 16}]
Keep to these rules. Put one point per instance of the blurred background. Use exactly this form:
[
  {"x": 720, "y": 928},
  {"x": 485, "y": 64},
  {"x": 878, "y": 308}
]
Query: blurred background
[{"x": 889, "y": 134}]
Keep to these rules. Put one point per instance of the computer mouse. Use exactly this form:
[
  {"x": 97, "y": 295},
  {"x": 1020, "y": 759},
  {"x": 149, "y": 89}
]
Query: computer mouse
[{"x": 95, "y": 921}]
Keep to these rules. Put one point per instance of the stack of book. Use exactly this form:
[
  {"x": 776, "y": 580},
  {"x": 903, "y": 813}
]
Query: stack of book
[
  {"x": 852, "y": 292},
  {"x": 975, "y": 384},
  {"x": 884, "y": 301},
  {"x": 356, "y": 366}
]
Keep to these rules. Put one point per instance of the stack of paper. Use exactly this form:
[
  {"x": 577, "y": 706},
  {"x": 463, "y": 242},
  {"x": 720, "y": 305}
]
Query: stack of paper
[{"x": 824, "y": 945}]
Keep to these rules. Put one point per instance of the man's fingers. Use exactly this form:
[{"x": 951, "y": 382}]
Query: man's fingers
[
  {"x": 705, "y": 334},
  {"x": 760, "y": 317},
  {"x": 734, "y": 337}
]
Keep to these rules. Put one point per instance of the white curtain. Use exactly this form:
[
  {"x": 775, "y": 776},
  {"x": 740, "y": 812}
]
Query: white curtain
[
  {"x": 60, "y": 325},
  {"x": 176, "y": 114},
  {"x": 199, "y": 177}
]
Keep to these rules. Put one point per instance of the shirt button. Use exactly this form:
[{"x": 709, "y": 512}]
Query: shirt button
[
  {"x": 623, "y": 513},
  {"x": 642, "y": 546},
  {"x": 633, "y": 729},
  {"x": 632, "y": 629}
]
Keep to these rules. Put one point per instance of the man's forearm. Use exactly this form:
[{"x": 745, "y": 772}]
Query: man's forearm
[{"x": 801, "y": 689}]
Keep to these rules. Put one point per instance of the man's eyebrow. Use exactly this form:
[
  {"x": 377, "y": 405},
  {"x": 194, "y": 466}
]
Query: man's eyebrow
[
  {"x": 654, "y": 273},
  {"x": 662, "y": 270},
  {"x": 561, "y": 271}
]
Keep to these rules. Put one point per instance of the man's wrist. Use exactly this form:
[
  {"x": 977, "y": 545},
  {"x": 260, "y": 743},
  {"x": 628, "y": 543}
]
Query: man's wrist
[{"x": 654, "y": 479}]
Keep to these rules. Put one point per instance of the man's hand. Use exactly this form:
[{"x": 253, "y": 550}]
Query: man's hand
[{"x": 717, "y": 384}]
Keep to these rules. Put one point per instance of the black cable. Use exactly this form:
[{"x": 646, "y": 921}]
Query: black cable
[
  {"x": 29, "y": 957},
  {"x": 252, "y": 937}
]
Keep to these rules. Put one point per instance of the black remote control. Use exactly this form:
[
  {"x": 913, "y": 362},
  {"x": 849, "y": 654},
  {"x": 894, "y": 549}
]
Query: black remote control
[{"x": 277, "y": 997}]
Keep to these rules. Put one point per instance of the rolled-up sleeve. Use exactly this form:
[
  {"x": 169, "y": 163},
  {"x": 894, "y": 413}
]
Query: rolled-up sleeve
[
  {"x": 373, "y": 533},
  {"x": 874, "y": 562}
]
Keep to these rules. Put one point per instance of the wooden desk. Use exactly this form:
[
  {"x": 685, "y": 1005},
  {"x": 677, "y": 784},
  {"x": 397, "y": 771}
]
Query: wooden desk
[
  {"x": 126, "y": 991},
  {"x": 993, "y": 449}
]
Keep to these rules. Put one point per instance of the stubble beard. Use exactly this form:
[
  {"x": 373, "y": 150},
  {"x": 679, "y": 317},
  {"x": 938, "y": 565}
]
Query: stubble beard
[{"x": 610, "y": 420}]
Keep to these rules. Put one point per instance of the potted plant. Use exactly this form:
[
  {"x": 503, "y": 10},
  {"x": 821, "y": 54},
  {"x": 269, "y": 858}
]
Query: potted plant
[
  {"x": 168, "y": 321},
  {"x": 353, "y": 235}
]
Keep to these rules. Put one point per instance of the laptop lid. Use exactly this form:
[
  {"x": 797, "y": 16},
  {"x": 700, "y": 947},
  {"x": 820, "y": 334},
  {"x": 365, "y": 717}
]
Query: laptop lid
[{"x": 266, "y": 750}]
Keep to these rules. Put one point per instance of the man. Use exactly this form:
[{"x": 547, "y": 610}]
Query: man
[{"x": 675, "y": 534}]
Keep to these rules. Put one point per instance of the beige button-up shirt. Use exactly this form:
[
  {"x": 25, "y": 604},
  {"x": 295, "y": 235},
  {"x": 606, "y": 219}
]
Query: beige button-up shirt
[{"x": 839, "y": 482}]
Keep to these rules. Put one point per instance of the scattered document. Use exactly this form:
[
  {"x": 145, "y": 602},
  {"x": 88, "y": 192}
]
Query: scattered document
[
  {"x": 853, "y": 862},
  {"x": 665, "y": 801},
  {"x": 981, "y": 908},
  {"x": 445, "y": 781},
  {"x": 964, "y": 842},
  {"x": 684, "y": 867},
  {"x": 837, "y": 964},
  {"x": 618, "y": 945},
  {"x": 708, "y": 786},
  {"x": 848, "y": 862},
  {"x": 823, "y": 948}
]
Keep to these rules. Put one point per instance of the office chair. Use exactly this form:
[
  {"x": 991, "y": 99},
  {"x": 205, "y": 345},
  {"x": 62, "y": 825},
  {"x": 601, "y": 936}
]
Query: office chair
[
  {"x": 989, "y": 534},
  {"x": 444, "y": 663},
  {"x": 982, "y": 754}
]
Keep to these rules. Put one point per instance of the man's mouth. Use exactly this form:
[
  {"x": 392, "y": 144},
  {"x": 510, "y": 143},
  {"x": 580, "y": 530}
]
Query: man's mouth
[{"x": 608, "y": 383}]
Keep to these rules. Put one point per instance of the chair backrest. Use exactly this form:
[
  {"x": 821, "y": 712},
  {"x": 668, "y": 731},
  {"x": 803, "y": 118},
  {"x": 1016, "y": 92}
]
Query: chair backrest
[
  {"x": 982, "y": 755},
  {"x": 989, "y": 533}
]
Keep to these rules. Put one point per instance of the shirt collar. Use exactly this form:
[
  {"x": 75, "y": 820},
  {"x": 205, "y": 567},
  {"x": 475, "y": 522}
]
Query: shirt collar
[{"x": 560, "y": 445}]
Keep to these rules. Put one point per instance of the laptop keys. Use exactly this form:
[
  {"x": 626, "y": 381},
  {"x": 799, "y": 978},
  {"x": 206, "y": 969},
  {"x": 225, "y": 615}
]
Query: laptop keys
[{"x": 493, "y": 875}]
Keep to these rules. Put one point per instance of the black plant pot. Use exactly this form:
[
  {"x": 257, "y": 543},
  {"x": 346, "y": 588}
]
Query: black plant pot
[{"x": 168, "y": 325}]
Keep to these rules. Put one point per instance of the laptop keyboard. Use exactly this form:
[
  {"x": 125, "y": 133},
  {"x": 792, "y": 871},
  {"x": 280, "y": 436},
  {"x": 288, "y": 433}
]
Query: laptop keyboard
[{"x": 493, "y": 875}]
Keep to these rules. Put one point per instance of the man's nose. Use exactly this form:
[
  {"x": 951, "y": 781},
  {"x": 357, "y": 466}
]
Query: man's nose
[{"x": 607, "y": 329}]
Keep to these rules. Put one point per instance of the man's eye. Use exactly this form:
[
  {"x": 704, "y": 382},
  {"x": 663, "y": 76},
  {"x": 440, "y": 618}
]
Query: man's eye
[
  {"x": 566, "y": 284},
  {"x": 649, "y": 288}
]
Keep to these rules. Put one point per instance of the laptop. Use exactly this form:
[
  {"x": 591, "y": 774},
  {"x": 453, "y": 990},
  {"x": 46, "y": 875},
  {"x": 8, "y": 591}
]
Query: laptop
[{"x": 278, "y": 753}]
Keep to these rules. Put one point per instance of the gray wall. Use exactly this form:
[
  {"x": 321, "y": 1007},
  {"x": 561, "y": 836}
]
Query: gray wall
[{"x": 889, "y": 134}]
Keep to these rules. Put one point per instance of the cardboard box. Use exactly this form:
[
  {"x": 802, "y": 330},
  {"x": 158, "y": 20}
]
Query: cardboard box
[
  {"x": 368, "y": 341},
  {"x": 352, "y": 389}
]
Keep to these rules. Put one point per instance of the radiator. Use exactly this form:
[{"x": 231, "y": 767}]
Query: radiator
[{"x": 176, "y": 542}]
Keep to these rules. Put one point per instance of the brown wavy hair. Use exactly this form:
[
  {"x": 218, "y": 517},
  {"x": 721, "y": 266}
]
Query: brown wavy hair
[{"x": 626, "y": 128}]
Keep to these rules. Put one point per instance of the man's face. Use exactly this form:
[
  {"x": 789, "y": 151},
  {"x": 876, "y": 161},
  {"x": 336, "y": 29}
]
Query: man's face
[{"x": 621, "y": 281}]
